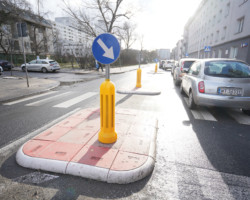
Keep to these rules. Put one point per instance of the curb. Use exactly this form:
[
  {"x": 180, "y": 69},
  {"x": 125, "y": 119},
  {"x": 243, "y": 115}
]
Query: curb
[
  {"x": 72, "y": 167},
  {"x": 138, "y": 92}
]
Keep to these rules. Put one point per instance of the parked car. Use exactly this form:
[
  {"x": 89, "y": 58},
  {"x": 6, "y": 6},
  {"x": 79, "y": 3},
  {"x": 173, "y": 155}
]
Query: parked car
[
  {"x": 218, "y": 82},
  {"x": 43, "y": 65},
  {"x": 173, "y": 68},
  {"x": 161, "y": 63},
  {"x": 182, "y": 68},
  {"x": 6, "y": 65},
  {"x": 1, "y": 70},
  {"x": 169, "y": 64}
]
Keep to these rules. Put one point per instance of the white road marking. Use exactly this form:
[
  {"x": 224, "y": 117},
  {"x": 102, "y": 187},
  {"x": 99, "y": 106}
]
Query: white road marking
[
  {"x": 76, "y": 100},
  {"x": 240, "y": 117},
  {"x": 29, "y": 98},
  {"x": 202, "y": 113},
  {"x": 35, "y": 177},
  {"x": 38, "y": 103}
]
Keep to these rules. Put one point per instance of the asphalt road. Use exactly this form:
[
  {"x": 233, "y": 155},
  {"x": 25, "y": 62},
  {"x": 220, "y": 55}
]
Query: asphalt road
[{"x": 202, "y": 154}]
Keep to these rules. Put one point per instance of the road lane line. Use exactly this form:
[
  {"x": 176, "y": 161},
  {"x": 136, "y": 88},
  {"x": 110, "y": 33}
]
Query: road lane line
[
  {"x": 29, "y": 98},
  {"x": 38, "y": 103},
  {"x": 76, "y": 100}
]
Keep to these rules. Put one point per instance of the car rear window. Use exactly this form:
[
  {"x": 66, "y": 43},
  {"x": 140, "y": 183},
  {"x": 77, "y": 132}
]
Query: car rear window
[
  {"x": 187, "y": 64},
  {"x": 52, "y": 62},
  {"x": 231, "y": 69}
]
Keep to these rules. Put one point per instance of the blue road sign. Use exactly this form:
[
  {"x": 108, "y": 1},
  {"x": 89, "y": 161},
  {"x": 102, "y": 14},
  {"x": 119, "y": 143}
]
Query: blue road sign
[
  {"x": 106, "y": 48},
  {"x": 207, "y": 48}
]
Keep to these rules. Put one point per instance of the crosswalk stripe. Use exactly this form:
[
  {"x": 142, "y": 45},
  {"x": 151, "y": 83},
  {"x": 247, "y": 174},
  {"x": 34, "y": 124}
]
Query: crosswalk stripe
[
  {"x": 239, "y": 117},
  {"x": 37, "y": 103},
  {"x": 28, "y": 98},
  {"x": 76, "y": 100},
  {"x": 202, "y": 114}
]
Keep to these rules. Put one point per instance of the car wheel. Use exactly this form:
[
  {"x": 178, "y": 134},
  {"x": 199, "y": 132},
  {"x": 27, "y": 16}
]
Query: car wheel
[
  {"x": 44, "y": 70},
  {"x": 175, "y": 80},
  {"x": 247, "y": 112},
  {"x": 191, "y": 103},
  {"x": 23, "y": 68},
  {"x": 181, "y": 90}
]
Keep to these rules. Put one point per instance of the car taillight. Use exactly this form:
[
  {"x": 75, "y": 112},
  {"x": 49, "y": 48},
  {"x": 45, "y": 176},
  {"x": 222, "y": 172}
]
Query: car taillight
[{"x": 201, "y": 86}]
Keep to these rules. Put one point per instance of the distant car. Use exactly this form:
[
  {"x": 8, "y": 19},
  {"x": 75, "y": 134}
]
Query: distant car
[
  {"x": 1, "y": 70},
  {"x": 169, "y": 64},
  {"x": 161, "y": 63},
  {"x": 218, "y": 82},
  {"x": 182, "y": 68},
  {"x": 6, "y": 65},
  {"x": 42, "y": 65},
  {"x": 173, "y": 68}
]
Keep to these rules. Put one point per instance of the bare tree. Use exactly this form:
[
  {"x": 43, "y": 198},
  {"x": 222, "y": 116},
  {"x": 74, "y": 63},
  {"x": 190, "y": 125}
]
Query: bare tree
[
  {"x": 98, "y": 16},
  {"x": 10, "y": 12},
  {"x": 127, "y": 34}
]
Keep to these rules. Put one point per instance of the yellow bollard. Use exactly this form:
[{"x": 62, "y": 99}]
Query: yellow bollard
[
  {"x": 138, "y": 80},
  {"x": 156, "y": 68},
  {"x": 107, "y": 132}
]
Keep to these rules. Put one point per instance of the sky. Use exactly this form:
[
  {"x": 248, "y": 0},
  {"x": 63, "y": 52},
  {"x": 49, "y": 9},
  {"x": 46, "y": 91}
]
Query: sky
[{"x": 159, "y": 22}]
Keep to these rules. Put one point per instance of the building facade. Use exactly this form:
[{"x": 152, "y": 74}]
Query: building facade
[
  {"x": 70, "y": 39},
  {"x": 219, "y": 29},
  {"x": 163, "y": 54},
  {"x": 38, "y": 38}
]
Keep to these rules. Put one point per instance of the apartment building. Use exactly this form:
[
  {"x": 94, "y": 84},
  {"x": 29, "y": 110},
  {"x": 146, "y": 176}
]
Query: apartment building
[
  {"x": 219, "y": 29},
  {"x": 70, "y": 38}
]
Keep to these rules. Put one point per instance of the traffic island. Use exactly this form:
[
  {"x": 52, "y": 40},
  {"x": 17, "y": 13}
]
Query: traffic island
[{"x": 72, "y": 147}]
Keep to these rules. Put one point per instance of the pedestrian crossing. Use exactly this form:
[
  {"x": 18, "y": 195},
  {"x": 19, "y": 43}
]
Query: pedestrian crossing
[
  {"x": 204, "y": 114},
  {"x": 201, "y": 113},
  {"x": 51, "y": 96}
]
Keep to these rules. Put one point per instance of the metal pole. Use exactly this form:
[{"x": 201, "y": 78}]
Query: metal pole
[
  {"x": 107, "y": 67},
  {"x": 140, "y": 60},
  {"x": 24, "y": 56}
]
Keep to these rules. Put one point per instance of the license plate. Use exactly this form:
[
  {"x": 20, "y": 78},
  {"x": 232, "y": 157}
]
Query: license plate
[{"x": 230, "y": 91}]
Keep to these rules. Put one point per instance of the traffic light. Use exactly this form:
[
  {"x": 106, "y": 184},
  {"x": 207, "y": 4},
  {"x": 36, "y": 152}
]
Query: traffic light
[{"x": 22, "y": 29}]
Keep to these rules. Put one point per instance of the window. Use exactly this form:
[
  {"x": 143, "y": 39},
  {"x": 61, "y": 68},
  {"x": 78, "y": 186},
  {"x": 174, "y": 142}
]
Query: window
[
  {"x": 217, "y": 36},
  {"x": 227, "y": 10},
  {"x": 233, "y": 52},
  {"x": 240, "y": 24},
  {"x": 224, "y": 33},
  {"x": 211, "y": 39},
  {"x": 194, "y": 69},
  {"x": 219, "y": 53},
  {"x": 213, "y": 55}
]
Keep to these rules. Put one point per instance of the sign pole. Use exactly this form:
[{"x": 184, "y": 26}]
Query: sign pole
[{"x": 106, "y": 50}]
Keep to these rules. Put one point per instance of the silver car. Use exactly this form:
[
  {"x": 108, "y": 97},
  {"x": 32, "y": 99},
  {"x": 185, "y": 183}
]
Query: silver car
[
  {"x": 218, "y": 82},
  {"x": 1, "y": 70},
  {"x": 42, "y": 65},
  {"x": 182, "y": 68}
]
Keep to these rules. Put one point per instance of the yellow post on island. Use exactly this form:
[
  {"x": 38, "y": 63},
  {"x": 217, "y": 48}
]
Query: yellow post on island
[
  {"x": 107, "y": 132},
  {"x": 106, "y": 50},
  {"x": 156, "y": 68}
]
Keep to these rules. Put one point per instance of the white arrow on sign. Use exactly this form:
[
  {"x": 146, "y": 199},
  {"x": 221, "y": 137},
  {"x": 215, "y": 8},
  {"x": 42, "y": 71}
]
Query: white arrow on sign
[{"x": 109, "y": 53}]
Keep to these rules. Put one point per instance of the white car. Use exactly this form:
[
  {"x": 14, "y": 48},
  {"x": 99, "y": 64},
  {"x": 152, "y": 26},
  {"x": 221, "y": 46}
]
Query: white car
[
  {"x": 169, "y": 64},
  {"x": 1, "y": 70},
  {"x": 42, "y": 65}
]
